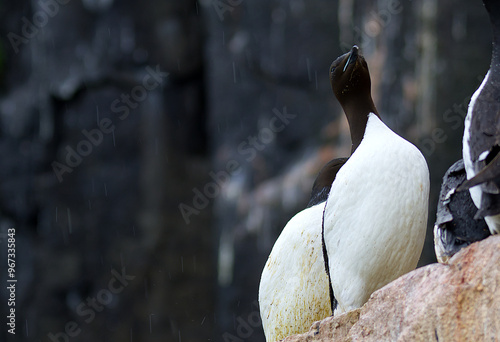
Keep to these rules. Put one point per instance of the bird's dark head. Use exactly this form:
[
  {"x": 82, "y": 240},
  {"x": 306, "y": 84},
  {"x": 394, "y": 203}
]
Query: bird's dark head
[
  {"x": 447, "y": 243},
  {"x": 323, "y": 183},
  {"x": 350, "y": 78},
  {"x": 455, "y": 226}
]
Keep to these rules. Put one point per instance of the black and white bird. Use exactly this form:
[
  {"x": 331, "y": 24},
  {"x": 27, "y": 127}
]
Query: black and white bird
[
  {"x": 455, "y": 226},
  {"x": 294, "y": 288},
  {"x": 375, "y": 216},
  {"x": 481, "y": 140}
]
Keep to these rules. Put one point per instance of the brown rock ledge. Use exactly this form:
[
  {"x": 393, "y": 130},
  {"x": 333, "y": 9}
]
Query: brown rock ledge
[{"x": 455, "y": 302}]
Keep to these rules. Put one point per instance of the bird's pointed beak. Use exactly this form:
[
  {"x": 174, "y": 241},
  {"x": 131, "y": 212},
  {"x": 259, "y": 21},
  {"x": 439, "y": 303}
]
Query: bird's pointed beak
[
  {"x": 353, "y": 56},
  {"x": 354, "y": 51}
]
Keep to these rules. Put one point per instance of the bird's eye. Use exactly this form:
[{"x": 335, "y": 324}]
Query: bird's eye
[{"x": 332, "y": 69}]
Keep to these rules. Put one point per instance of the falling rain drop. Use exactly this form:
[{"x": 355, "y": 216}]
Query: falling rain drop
[
  {"x": 97, "y": 114},
  {"x": 70, "y": 227},
  {"x": 56, "y": 214},
  {"x": 145, "y": 288},
  {"x": 105, "y": 190},
  {"x": 27, "y": 328},
  {"x": 150, "y": 324},
  {"x": 316, "y": 78},
  {"x": 234, "y": 73},
  {"x": 90, "y": 205},
  {"x": 308, "y": 69},
  {"x": 114, "y": 143}
]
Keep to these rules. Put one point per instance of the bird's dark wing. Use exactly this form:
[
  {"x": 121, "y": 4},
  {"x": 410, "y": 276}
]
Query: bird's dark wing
[
  {"x": 453, "y": 177},
  {"x": 489, "y": 176}
]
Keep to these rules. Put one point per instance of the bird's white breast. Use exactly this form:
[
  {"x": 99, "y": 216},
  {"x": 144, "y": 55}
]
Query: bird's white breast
[
  {"x": 475, "y": 192},
  {"x": 294, "y": 290},
  {"x": 376, "y": 215}
]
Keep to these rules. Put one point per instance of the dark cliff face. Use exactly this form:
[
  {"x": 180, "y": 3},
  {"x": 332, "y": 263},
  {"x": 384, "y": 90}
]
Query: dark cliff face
[
  {"x": 103, "y": 134},
  {"x": 157, "y": 150}
]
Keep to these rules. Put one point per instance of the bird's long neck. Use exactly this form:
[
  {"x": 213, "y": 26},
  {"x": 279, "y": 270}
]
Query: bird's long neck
[{"x": 357, "y": 115}]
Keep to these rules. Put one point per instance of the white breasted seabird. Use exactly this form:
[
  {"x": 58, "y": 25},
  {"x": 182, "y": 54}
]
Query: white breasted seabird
[
  {"x": 455, "y": 226},
  {"x": 294, "y": 287},
  {"x": 375, "y": 216},
  {"x": 481, "y": 141}
]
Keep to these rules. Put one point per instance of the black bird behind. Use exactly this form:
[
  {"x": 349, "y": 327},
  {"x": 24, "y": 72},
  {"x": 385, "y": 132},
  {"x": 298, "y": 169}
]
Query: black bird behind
[{"x": 455, "y": 226}]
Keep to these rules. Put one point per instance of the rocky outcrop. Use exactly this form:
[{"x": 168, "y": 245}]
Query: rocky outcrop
[{"x": 455, "y": 302}]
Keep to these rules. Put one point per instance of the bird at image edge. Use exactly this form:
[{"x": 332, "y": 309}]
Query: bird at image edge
[
  {"x": 481, "y": 140},
  {"x": 375, "y": 216},
  {"x": 294, "y": 286}
]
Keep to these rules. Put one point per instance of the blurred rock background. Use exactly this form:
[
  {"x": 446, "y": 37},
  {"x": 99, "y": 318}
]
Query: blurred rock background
[{"x": 196, "y": 172}]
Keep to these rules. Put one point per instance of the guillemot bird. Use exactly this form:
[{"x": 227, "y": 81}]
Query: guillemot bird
[
  {"x": 375, "y": 216},
  {"x": 455, "y": 226},
  {"x": 294, "y": 287},
  {"x": 481, "y": 140}
]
